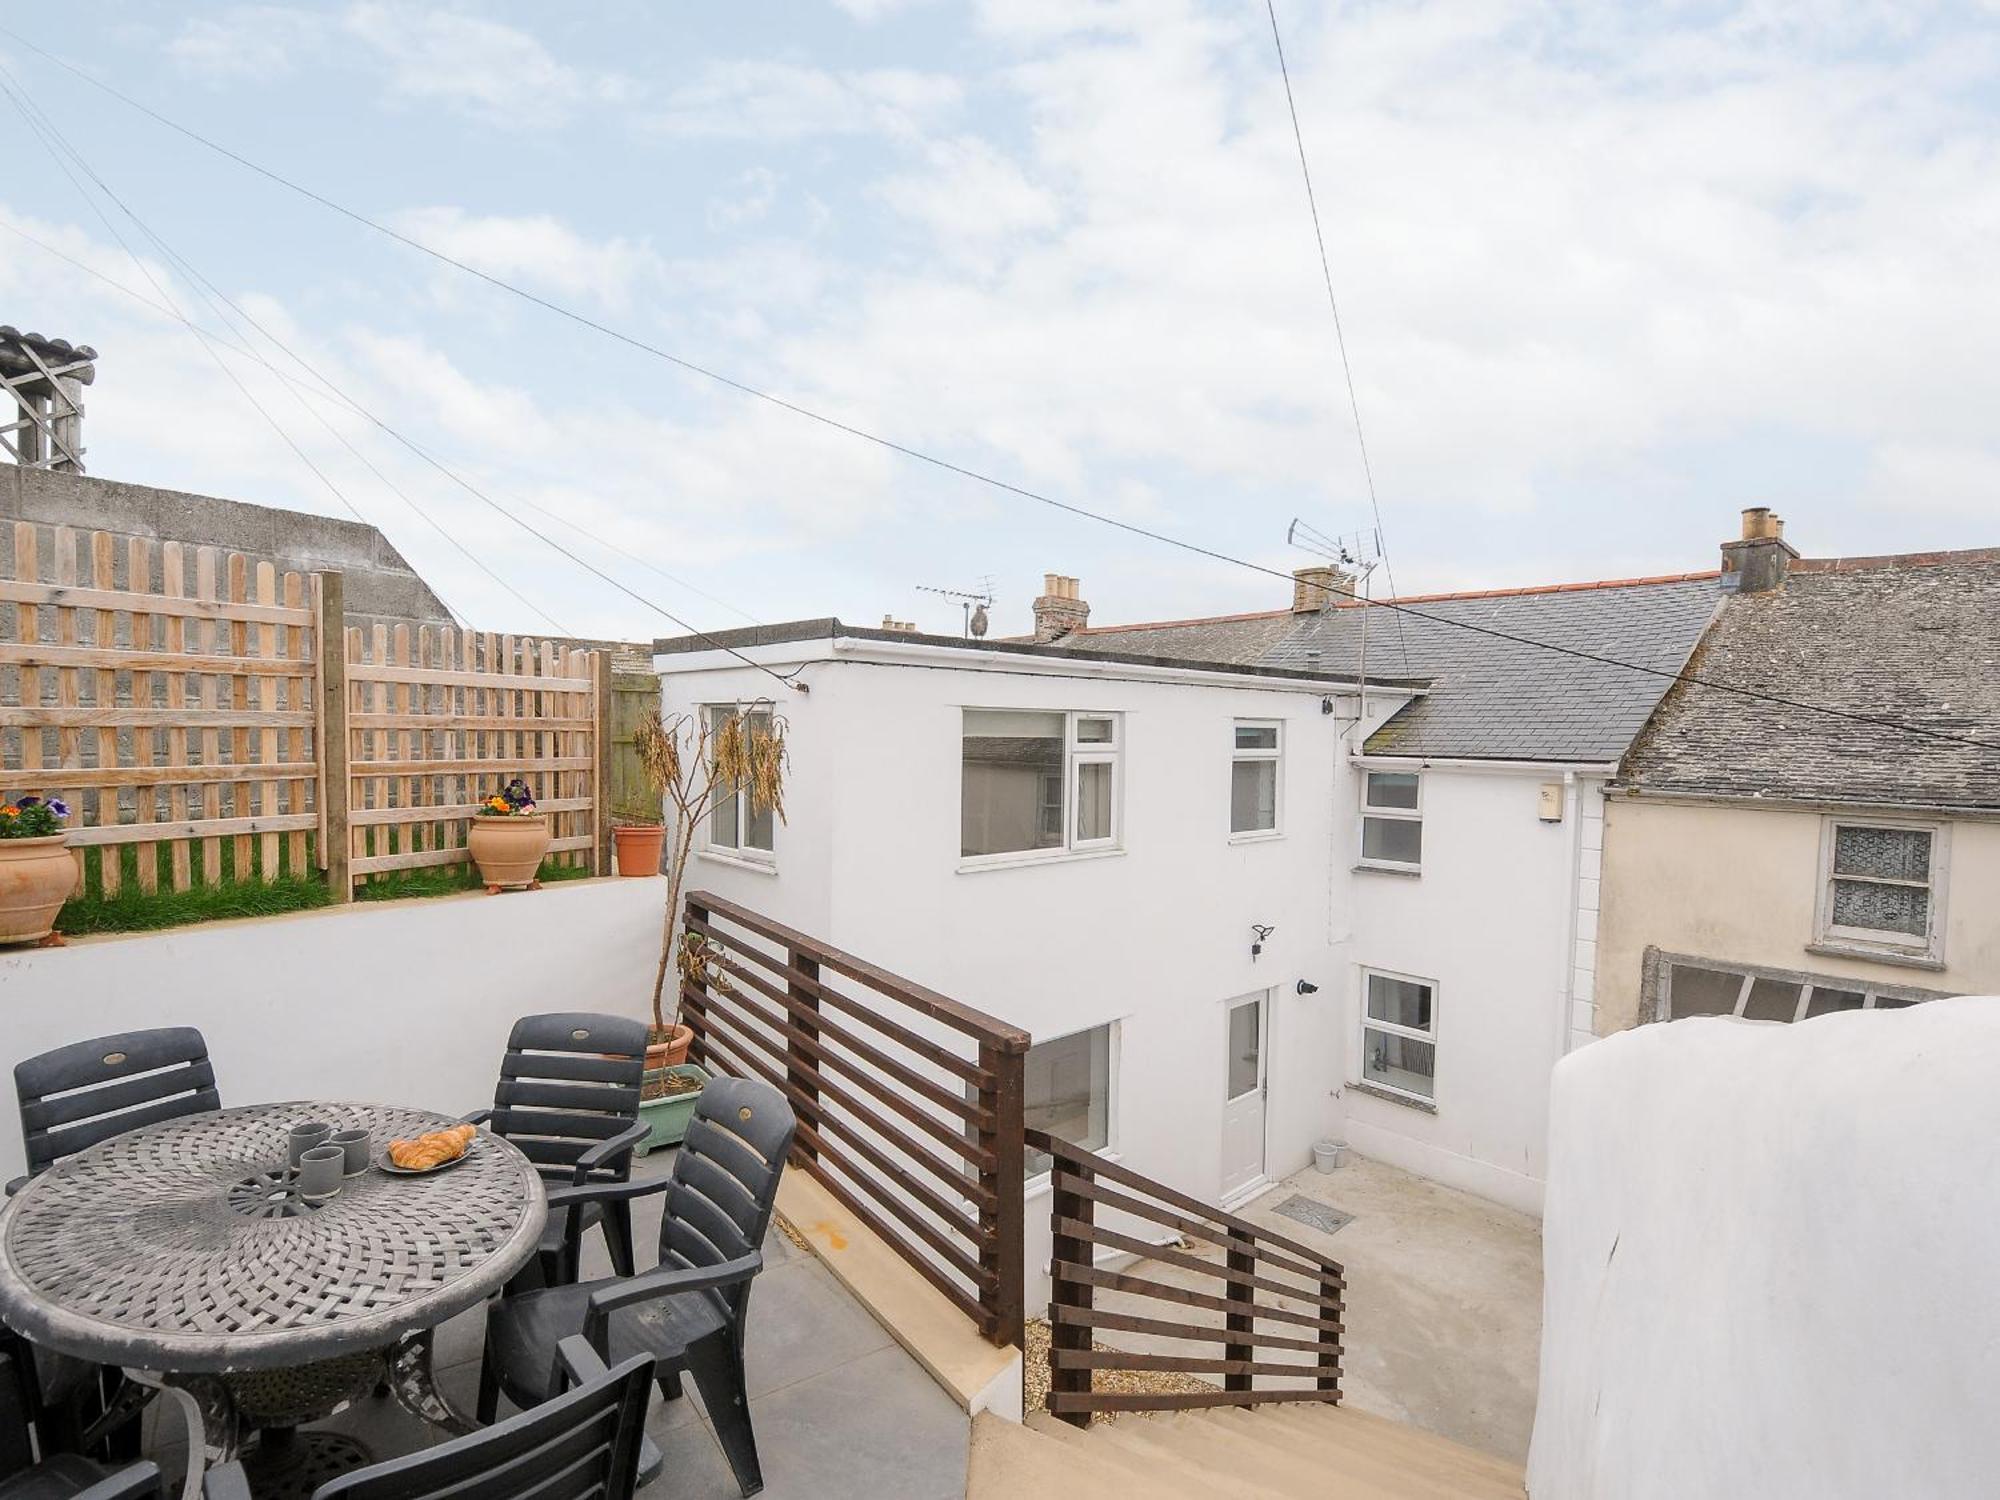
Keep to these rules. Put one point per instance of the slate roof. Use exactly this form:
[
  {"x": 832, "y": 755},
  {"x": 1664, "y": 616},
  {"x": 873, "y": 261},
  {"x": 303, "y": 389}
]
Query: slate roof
[
  {"x": 1238, "y": 639},
  {"x": 1913, "y": 639},
  {"x": 1497, "y": 699}
]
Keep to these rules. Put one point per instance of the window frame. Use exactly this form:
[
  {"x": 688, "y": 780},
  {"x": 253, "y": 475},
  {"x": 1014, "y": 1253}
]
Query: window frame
[
  {"x": 1363, "y": 859},
  {"x": 1276, "y": 756},
  {"x": 738, "y": 852},
  {"x": 1367, "y": 1023},
  {"x": 1076, "y": 754},
  {"x": 1925, "y": 949},
  {"x": 1657, "y": 1002},
  {"x": 1114, "y": 1035}
]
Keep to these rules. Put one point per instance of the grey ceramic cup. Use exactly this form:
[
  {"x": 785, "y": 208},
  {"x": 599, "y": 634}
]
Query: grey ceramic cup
[
  {"x": 306, "y": 1136},
  {"x": 319, "y": 1172},
  {"x": 354, "y": 1150}
]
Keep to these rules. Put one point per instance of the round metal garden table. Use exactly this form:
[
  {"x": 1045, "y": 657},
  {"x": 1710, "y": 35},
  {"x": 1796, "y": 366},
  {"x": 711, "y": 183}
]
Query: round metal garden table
[{"x": 171, "y": 1251}]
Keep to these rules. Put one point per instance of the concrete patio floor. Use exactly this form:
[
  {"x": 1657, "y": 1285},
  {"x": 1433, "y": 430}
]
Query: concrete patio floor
[
  {"x": 1444, "y": 1301},
  {"x": 840, "y": 1410}
]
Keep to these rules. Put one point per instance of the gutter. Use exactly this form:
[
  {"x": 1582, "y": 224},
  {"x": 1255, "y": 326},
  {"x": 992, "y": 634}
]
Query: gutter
[
  {"x": 1941, "y": 811},
  {"x": 1494, "y": 764},
  {"x": 961, "y": 658}
]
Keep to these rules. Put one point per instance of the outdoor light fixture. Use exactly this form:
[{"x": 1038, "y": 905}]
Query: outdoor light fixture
[
  {"x": 1257, "y": 943},
  {"x": 1307, "y": 987}
]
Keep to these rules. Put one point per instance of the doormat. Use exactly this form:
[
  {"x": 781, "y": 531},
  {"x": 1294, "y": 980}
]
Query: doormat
[{"x": 1311, "y": 1211}]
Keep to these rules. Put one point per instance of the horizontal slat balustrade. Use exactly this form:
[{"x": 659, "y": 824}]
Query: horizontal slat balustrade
[
  {"x": 909, "y": 1103},
  {"x": 1261, "y": 1278}
]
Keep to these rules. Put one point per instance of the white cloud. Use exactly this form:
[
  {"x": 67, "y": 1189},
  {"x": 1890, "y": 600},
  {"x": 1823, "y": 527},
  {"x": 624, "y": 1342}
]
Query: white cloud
[
  {"x": 244, "y": 42},
  {"x": 537, "y": 249},
  {"x": 497, "y": 73},
  {"x": 756, "y": 190},
  {"x": 756, "y": 99}
]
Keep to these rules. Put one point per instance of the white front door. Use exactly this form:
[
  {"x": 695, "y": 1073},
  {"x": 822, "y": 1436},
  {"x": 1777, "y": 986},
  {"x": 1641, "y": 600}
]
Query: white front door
[{"x": 1245, "y": 1033}]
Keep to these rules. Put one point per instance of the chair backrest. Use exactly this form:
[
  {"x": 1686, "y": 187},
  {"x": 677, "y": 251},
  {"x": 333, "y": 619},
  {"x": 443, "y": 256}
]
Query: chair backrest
[
  {"x": 582, "y": 1445},
  {"x": 725, "y": 1179},
  {"x": 568, "y": 1081},
  {"x": 90, "y": 1091}
]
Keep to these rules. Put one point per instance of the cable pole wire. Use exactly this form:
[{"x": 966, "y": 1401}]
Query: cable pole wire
[
  {"x": 1339, "y": 334},
  {"x": 949, "y": 466}
]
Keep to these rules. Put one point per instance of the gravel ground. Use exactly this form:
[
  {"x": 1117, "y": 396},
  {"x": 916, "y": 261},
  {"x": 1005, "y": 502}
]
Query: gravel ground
[{"x": 1035, "y": 1375}]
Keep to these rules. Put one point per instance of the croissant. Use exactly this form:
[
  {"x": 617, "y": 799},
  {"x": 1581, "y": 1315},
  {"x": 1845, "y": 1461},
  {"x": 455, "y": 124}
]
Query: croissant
[{"x": 433, "y": 1149}]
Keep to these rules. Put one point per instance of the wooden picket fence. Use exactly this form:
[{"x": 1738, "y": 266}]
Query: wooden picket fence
[
  {"x": 439, "y": 719},
  {"x": 203, "y": 733},
  {"x": 177, "y": 724}
]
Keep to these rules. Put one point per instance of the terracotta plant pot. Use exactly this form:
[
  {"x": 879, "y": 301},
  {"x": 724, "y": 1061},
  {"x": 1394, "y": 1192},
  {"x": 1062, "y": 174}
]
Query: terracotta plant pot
[
  {"x": 639, "y": 848},
  {"x": 670, "y": 1052},
  {"x": 36, "y": 877},
  {"x": 509, "y": 851}
]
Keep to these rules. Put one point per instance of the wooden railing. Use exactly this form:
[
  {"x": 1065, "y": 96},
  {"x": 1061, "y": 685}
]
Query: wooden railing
[
  {"x": 1259, "y": 1278},
  {"x": 909, "y": 1103}
]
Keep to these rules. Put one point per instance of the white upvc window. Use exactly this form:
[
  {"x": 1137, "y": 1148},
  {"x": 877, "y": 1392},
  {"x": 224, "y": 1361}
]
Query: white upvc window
[
  {"x": 1066, "y": 1091},
  {"x": 1392, "y": 820},
  {"x": 1256, "y": 777},
  {"x": 1399, "y": 1035},
  {"x": 1882, "y": 888},
  {"x": 1038, "y": 783},
  {"x": 736, "y": 827}
]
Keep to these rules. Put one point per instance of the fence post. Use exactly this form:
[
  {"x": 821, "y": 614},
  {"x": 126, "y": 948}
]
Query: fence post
[
  {"x": 692, "y": 1012},
  {"x": 796, "y": 1054},
  {"x": 1066, "y": 1295},
  {"x": 330, "y": 658},
  {"x": 1329, "y": 1340},
  {"x": 600, "y": 776},
  {"x": 1000, "y": 1228},
  {"x": 1242, "y": 1257}
]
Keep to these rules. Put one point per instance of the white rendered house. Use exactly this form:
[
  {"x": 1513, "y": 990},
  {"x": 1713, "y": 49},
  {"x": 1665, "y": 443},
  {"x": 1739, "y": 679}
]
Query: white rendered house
[{"x": 1142, "y": 863}]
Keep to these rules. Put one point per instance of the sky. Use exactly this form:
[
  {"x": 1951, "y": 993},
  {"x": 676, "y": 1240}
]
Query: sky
[{"x": 1606, "y": 275}]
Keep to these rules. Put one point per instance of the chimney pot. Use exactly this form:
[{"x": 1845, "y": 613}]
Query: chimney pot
[
  {"x": 1319, "y": 587},
  {"x": 1757, "y": 562},
  {"x": 1061, "y": 609}
]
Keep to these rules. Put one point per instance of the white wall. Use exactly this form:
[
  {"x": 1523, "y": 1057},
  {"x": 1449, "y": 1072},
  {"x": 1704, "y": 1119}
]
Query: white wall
[
  {"x": 1155, "y": 938},
  {"x": 1489, "y": 921},
  {"x": 405, "y": 1002},
  {"x": 1769, "y": 1258}
]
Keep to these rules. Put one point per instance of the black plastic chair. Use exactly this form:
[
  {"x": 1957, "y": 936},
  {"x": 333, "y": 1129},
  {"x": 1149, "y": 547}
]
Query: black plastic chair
[
  {"x": 59, "y": 1475},
  {"x": 690, "y": 1312},
  {"x": 568, "y": 1097},
  {"x": 90, "y": 1091},
  {"x": 586, "y": 1444}
]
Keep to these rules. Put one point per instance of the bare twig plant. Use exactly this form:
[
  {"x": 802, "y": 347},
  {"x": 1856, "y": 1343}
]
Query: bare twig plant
[{"x": 696, "y": 760}]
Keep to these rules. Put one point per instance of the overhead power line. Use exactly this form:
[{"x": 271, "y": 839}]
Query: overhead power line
[
  {"x": 964, "y": 471},
  {"x": 1339, "y": 335}
]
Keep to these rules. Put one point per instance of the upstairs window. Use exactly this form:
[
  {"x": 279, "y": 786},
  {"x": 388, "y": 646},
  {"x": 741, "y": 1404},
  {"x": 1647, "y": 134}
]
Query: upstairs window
[
  {"x": 1392, "y": 819},
  {"x": 1881, "y": 887},
  {"x": 735, "y": 825},
  {"x": 1037, "y": 782},
  {"x": 1253, "y": 779}
]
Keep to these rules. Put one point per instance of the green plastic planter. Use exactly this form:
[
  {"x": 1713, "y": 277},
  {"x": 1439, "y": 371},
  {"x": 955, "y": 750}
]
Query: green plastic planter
[{"x": 669, "y": 1117}]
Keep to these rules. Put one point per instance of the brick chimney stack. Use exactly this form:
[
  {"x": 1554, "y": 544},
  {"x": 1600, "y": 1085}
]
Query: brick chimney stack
[
  {"x": 1758, "y": 561},
  {"x": 1060, "y": 609},
  {"x": 1318, "y": 588}
]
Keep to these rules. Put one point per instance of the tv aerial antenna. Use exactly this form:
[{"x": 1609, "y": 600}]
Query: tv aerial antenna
[
  {"x": 1356, "y": 554},
  {"x": 975, "y": 605}
]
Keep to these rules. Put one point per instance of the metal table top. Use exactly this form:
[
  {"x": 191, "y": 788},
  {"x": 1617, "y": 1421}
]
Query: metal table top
[{"x": 131, "y": 1253}]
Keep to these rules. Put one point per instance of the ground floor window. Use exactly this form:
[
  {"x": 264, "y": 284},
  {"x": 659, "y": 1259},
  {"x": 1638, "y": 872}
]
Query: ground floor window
[
  {"x": 1399, "y": 1034},
  {"x": 1068, "y": 1091},
  {"x": 1684, "y": 987}
]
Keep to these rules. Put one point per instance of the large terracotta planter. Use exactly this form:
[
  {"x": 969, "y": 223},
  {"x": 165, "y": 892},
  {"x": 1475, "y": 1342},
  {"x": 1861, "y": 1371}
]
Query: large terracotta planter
[
  {"x": 36, "y": 877},
  {"x": 639, "y": 848},
  {"x": 509, "y": 851},
  {"x": 668, "y": 1052}
]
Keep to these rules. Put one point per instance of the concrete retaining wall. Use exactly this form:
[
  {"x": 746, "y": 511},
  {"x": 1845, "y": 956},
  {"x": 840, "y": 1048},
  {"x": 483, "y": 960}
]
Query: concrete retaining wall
[
  {"x": 1769, "y": 1257},
  {"x": 405, "y": 1002}
]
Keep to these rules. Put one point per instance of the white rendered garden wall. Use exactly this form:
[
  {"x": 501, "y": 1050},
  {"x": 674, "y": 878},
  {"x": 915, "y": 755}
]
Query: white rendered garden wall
[
  {"x": 405, "y": 1002},
  {"x": 1770, "y": 1258}
]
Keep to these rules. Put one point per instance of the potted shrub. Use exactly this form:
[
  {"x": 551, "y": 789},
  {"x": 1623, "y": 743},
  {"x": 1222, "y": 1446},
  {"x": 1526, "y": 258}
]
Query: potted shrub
[
  {"x": 37, "y": 871},
  {"x": 508, "y": 838},
  {"x": 696, "y": 759}
]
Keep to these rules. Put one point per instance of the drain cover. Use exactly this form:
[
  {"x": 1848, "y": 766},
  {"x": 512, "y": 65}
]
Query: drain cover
[{"x": 1311, "y": 1211}]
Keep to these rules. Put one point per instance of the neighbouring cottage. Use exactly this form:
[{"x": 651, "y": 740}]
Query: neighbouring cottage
[{"x": 1770, "y": 861}]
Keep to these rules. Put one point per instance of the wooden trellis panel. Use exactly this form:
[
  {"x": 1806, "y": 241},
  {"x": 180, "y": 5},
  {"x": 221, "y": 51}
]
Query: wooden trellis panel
[
  {"x": 437, "y": 719},
  {"x": 178, "y": 726}
]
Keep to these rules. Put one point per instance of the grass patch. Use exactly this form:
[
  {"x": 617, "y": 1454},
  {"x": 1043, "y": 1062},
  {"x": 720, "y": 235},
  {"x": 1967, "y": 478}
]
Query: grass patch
[
  {"x": 451, "y": 880},
  {"x": 134, "y": 910}
]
